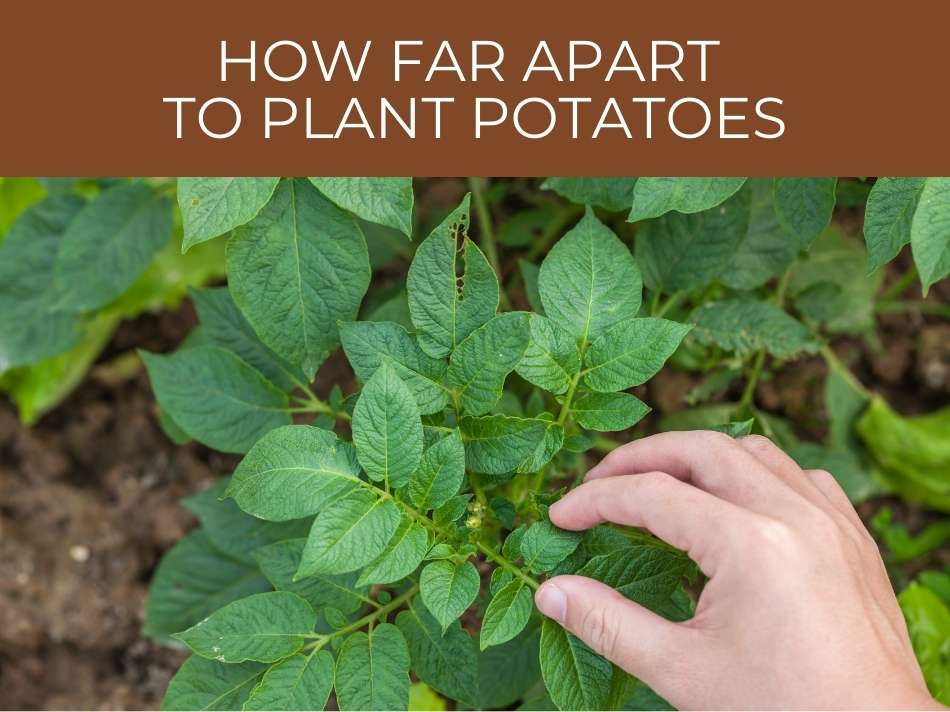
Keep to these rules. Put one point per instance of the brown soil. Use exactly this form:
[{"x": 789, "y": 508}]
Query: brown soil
[{"x": 88, "y": 504}]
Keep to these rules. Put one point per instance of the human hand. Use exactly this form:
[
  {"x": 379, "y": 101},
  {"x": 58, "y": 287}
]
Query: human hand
[{"x": 798, "y": 611}]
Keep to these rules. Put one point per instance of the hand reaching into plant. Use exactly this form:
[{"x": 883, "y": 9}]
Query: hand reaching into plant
[{"x": 798, "y": 611}]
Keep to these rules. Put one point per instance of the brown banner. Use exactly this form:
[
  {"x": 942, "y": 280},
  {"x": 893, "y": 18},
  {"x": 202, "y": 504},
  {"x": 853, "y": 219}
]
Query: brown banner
[{"x": 750, "y": 88}]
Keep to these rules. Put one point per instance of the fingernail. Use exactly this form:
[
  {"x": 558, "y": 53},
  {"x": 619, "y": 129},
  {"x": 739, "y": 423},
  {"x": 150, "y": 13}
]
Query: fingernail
[{"x": 552, "y": 602}]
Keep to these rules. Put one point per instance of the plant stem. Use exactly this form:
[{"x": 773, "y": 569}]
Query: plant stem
[
  {"x": 568, "y": 399},
  {"x": 748, "y": 394},
  {"x": 900, "y": 286},
  {"x": 488, "y": 234},
  {"x": 505, "y": 564},
  {"x": 835, "y": 363},
  {"x": 892, "y": 306},
  {"x": 674, "y": 299},
  {"x": 604, "y": 444},
  {"x": 368, "y": 619},
  {"x": 311, "y": 404}
]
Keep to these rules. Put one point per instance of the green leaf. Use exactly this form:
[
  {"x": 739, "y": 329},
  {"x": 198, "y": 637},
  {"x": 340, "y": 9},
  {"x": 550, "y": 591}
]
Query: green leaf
[
  {"x": 653, "y": 197},
  {"x": 614, "y": 194},
  {"x": 844, "y": 464},
  {"x": 889, "y": 216},
  {"x": 928, "y": 622},
  {"x": 544, "y": 546},
  {"x": 446, "y": 661},
  {"x": 443, "y": 312},
  {"x": 192, "y": 581},
  {"x": 300, "y": 682},
  {"x": 30, "y": 330},
  {"x": 497, "y": 444},
  {"x": 913, "y": 453},
  {"x": 744, "y": 326},
  {"x": 507, "y": 672},
  {"x": 589, "y": 281},
  {"x": 804, "y": 206},
  {"x": 216, "y": 397},
  {"x": 844, "y": 404},
  {"x": 387, "y": 429},
  {"x": 214, "y": 206},
  {"x": 608, "y": 412},
  {"x": 479, "y": 365},
  {"x": 631, "y": 353},
  {"x": 736, "y": 428},
  {"x": 423, "y": 697},
  {"x": 386, "y": 201},
  {"x": 765, "y": 248},
  {"x": 930, "y": 232},
  {"x": 234, "y": 532},
  {"x": 448, "y": 589},
  {"x": 368, "y": 344},
  {"x": 507, "y": 614},
  {"x": 646, "y": 574},
  {"x": 225, "y": 326},
  {"x": 296, "y": 270},
  {"x": 264, "y": 627},
  {"x": 689, "y": 251},
  {"x": 109, "y": 244},
  {"x": 576, "y": 677},
  {"x": 549, "y": 446},
  {"x": 401, "y": 557},
  {"x": 451, "y": 511},
  {"x": 349, "y": 535},
  {"x": 16, "y": 196},
  {"x": 831, "y": 284},
  {"x": 202, "y": 684},
  {"x": 372, "y": 671},
  {"x": 530, "y": 274},
  {"x": 552, "y": 357},
  {"x": 440, "y": 473},
  {"x": 294, "y": 471},
  {"x": 279, "y": 563}
]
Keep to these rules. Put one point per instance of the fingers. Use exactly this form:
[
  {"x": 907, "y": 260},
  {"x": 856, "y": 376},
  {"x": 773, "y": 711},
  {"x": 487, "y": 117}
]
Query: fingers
[
  {"x": 712, "y": 461},
  {"x": 782, "y": 466},
  {"x": 636, "y": 639},
  {"x": 825, "y": 483},
  {"x": 680, "y": 514}
]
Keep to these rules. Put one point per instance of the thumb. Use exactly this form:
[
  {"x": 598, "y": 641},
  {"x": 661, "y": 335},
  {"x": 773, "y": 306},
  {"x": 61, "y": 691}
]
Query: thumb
[{"x": 644, "y": 644}]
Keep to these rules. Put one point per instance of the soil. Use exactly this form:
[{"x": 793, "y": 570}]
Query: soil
[{"x": 89, "y": 503}]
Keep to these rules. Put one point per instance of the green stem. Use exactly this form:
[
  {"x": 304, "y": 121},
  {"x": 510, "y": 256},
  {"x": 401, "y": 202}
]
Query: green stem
[
  {"x": 381, "y": 612},
  {"x": 312, "y": 404},
  {"x": 604, "y": 444},
  {"x": 655, "y": 303},
  {"x": 488, "y": 234},
  {"x": 749, "y": 393},
  {"x": 505, "y": 564},
  {"x": 478, "y": 490},
  {"x": 900, "y": 286},
  {"x": 568, "y": 399},
  {"x": 674, "y": 299},
  {"x": 835, "y": 363},
  {"x": 896, "y": 306}
]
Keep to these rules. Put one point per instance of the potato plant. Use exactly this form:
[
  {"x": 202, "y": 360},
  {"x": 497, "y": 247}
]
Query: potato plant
[
  {"x": 397, "y": 532},
  {"x": 77, "y": 257}
]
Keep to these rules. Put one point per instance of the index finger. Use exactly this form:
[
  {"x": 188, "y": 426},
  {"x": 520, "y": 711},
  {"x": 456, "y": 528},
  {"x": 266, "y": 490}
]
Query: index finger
[
  {"x": 682, "y": 515},
  {"x": 710, "y": 460}
]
